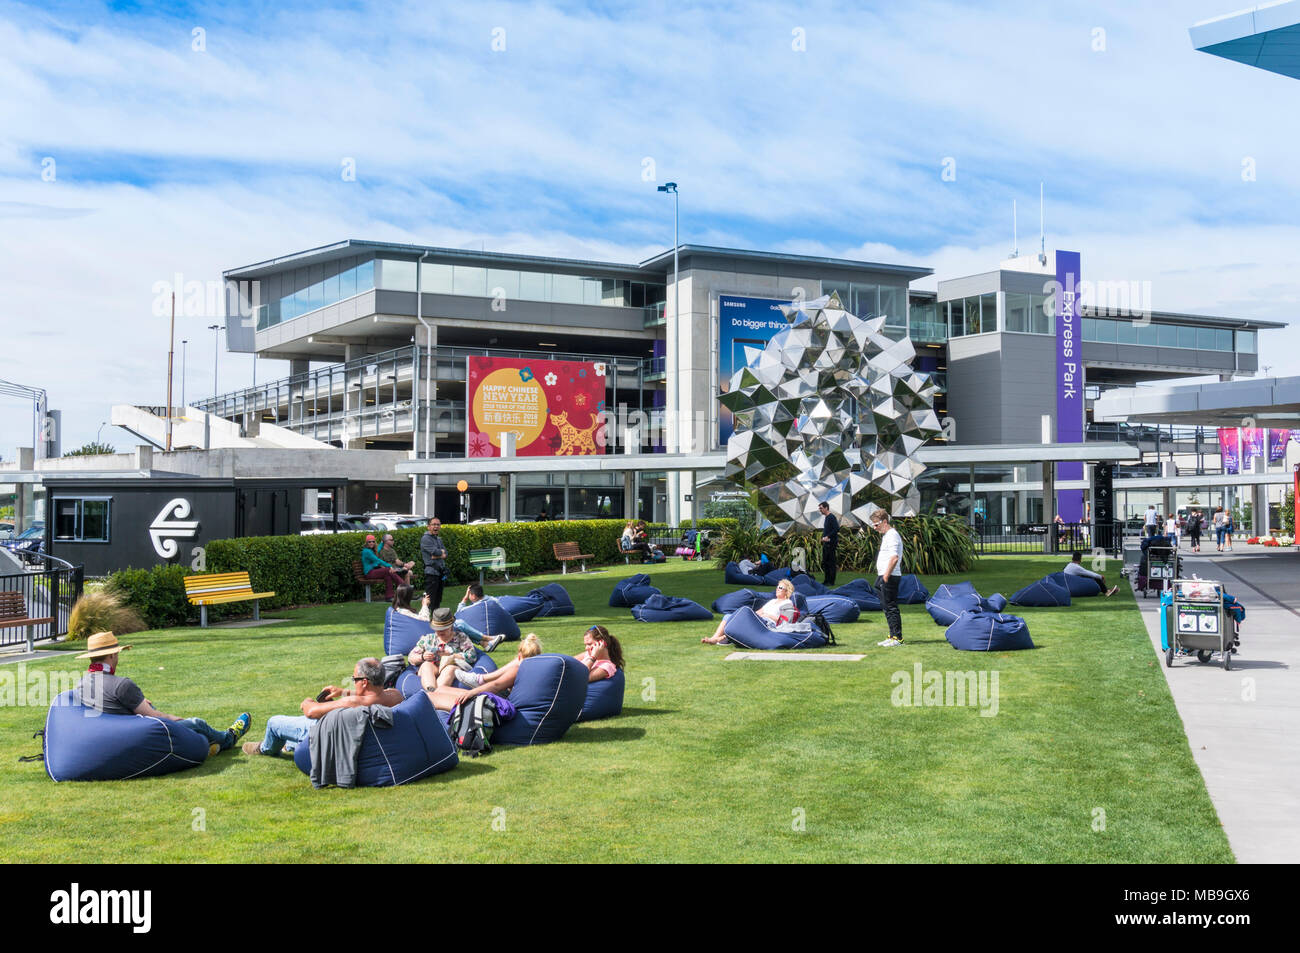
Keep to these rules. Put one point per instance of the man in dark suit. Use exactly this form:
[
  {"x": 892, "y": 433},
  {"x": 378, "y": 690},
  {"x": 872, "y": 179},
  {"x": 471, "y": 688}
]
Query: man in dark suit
[{"x": 830, "y": 539}]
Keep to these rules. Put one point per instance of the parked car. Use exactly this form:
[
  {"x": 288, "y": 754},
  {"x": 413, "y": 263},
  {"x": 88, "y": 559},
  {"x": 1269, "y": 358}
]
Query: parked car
[
  {"x": 316, "y": 524},
  {"x": 391, "y": 521},
  {"x": 30, "y": 542},
  {"x": 6, "y": 531}
]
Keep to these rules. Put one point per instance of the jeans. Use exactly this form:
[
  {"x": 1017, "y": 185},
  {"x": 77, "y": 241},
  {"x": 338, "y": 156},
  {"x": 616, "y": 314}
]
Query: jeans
[
  {"x": 285, "y": 730},
  {"x": 889, "y": 602},
  {"x": 224, "y": 738},
  {"x": 1219, "y": 533},
  {"x": 829, "y": 558},
  {"x": 467, "y": 630}
]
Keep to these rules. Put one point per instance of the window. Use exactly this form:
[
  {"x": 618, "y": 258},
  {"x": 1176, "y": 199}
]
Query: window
[
  {"x": 956, "y": 318},
  {"x": 1186, "y": 337},
  {"x": 1041, "y": 315},
  {"x": 466, "y": 280},
  {"x": 1125, "y": 332},
  {"x": 534, "y": 286},
  {"x": 1205, "y": 339},
  {"x": 973, "y": 322},
  {"x": 840, "y": 288},
  {"x": 989, "y": 311},
  {"x": 81, "y": 520},
  {"x": 397, "y": 275},
  {"x": 1018, "y": 307},
  {"x": 1167, "y": 335},
  {"x": 895, "y": 314},
  {"x": 1246, "y": 342},
  {"x": 865, "y": 303},
  {"x": 507, "y": 281},
  {"x": 1148, "y": 335}
]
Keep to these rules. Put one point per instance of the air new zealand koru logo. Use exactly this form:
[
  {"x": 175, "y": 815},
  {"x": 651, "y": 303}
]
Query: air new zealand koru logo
[{"x": 164, "y": 531}]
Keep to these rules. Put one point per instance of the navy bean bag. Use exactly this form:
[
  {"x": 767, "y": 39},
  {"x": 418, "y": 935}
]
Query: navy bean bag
[
  {"x": 835, "y": 609},
  {"x": 548, "y": 694},
  {"x": 632, "y": 591},
  {"x": 996, "y": 602},
  {"x": 978, "y": 631},
  {"x": 911, "y": 590},
  {"x": 950, "y": 601},
  {"x": 749, "y": 631},
  {"x": 772, "y": 577},
  {"x": 401, "y": 632},
  {"x": 1049, "y": 591},
  {"x": 661, "y": 608},
  {"x": 522, "y": 608},
  {"x": 408, "y": 683},
  {"x": 490, "y": 618},
  {"x": 807, "y": 585},
  {"x": 555, "y": 600},
  {"x": 415, "y": 746},
  {"x": 1081, "y": 585},
  {"x": 82, "y": 744},
  {"x": 731, "y": 601},
  {"x": 860, "y": 591},
  {"x": 604, "y": 698},
  {"x": 735, "y": 577}
]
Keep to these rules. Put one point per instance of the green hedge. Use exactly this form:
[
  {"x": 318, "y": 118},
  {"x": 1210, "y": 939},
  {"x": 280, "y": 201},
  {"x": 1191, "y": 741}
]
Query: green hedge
[
  {"x": 157, "y": 593},
  {"x": 305, "y": 570}
]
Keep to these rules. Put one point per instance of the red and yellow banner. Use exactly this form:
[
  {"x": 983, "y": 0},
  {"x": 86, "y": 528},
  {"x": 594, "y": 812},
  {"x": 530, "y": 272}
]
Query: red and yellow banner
[{"x": 554, "y": 408}]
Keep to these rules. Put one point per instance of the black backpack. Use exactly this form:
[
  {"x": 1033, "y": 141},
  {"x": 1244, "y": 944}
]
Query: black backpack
[
  {"x": 819, "y": 620},
  {"x": 474, "y": 725},
  {"x": 393, "y": 666}
]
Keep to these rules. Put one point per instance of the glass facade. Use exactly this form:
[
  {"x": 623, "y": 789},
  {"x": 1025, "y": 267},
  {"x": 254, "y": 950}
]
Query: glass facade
[
  {"x": 472, "y": 281},
  {"x": 977, "y": 314},
  {"x": 871, "y": 300},
  {"x": 1105, "y": 331},
  {"x": 315, "y": 289},
  {"x": 1030, "y": 313}
]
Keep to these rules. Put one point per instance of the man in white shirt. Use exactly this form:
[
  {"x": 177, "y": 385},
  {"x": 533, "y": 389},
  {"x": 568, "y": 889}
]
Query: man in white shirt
[
  {"x": 1152, "y": 522},
  {"x": 889, "y": 566},
  {"x": 1075, "y": 568}
]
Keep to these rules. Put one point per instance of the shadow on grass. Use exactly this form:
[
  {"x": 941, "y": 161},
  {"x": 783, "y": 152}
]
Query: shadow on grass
[
  {"x": 588, "y": 733},
  {"x": 630, "y": 712}
]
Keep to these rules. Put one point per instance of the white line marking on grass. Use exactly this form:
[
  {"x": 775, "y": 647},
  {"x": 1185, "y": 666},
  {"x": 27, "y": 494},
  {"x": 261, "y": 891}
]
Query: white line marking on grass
[{"x": 790, "y": 657}]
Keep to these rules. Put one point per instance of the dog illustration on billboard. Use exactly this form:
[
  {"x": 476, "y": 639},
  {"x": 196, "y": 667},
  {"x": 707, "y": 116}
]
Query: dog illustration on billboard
[{"x": 573, "y": 440}]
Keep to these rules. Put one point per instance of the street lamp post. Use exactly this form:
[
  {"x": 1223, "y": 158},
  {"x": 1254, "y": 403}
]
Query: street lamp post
[
  {"x": 214, "y": 328},
  {"x": 183, "y": 350},
  {"x": 672, "y": 332}
]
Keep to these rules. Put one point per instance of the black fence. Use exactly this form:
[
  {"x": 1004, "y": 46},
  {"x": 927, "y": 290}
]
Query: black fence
[
  {"x": 49, "y": 587},
  {"x": 994, "y": 539}
]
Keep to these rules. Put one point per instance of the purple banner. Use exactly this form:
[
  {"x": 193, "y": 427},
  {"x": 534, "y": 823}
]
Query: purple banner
[
  {"x": 1069, "y": 379},
  {"x": 1277, "y": 441},
  {"x": 1230, "y": 449},
  {"x": 1252, "y": 443}
]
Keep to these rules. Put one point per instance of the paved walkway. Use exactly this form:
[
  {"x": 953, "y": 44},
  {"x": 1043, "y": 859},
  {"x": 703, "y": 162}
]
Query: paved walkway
[{"x": 1248, "y": 750}]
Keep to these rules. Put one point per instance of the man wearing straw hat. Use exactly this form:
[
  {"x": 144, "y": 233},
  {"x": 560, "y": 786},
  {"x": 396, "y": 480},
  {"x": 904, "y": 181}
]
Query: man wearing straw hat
[{"x": 102, "y": 689}]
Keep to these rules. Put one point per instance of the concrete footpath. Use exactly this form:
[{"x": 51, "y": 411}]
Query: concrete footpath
[{"x": 1243, "y": 725}]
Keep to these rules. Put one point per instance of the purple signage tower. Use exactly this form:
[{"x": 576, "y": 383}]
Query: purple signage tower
[{"x": 1069, "y": 380}]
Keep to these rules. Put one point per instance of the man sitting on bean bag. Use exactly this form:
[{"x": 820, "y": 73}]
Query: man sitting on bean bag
[
  {"x": 1075, "y": 568},
  {"x": 293, "y": 730},
  {"x": 102, "y": 689}
]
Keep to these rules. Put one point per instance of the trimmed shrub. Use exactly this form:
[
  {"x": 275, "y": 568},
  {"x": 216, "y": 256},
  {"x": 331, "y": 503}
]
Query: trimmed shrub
[
  {"x": 102, "y": 611},
  {"x": 158, "y": 594}
]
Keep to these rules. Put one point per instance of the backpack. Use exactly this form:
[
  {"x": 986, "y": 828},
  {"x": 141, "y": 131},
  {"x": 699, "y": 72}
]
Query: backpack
[
  {"x": 393, "y": 665},
  {"x": 473, "y": 725},
  {"x": 819, "y": 620}
]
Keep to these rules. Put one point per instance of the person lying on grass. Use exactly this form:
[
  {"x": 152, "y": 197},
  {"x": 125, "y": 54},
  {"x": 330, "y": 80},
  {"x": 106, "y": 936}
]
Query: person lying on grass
[
  {"x": 602, "y": 654},
  {"x": 780, "y": 608},
  {"x": 443, "y": 651},
  {"x": 288, "y": 731},
  {"x": 446, "y": 697}
]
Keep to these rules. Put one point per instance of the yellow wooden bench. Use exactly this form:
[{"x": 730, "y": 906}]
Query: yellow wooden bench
[{"x": 216, "y": 588}]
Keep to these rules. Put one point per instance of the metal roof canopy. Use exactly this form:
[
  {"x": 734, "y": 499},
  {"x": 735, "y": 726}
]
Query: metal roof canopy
[
  {"x": 717, "y": 460},
  {"x": 1266, "y": 36},
  {"x": 1257, "y": 402}
]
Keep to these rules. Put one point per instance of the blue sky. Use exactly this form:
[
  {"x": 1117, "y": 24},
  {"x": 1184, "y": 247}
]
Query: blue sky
[{"x": 816, "y": 128}]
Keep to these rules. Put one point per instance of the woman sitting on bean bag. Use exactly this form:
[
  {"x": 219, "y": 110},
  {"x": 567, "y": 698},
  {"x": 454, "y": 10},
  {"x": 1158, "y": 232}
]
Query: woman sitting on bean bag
[
  {"x": 776, "y": 610},
  {"x": 603, "y": 656},
  {"x": 499, "y": 682}
]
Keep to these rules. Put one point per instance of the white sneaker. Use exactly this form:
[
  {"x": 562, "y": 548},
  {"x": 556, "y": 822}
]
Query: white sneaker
[{"x": 890, "y": 643}]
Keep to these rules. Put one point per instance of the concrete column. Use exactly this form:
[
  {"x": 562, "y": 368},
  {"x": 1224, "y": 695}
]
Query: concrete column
[
  {"x": 1049, "y": 505},
  {"x": 144, "y": 457},
  {"x": 629, "y": 494},
  {"x": 1259, "y": 511},
  {"x": 1169, "y": 501},
  {"x": 310, "y": 502}
]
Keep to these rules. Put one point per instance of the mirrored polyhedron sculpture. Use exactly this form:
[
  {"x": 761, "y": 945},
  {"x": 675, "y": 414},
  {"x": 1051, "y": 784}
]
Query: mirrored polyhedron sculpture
[{"x": 830, "y": 411}]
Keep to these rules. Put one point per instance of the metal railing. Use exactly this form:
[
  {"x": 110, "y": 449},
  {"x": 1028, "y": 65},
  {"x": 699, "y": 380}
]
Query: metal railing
[
  {"x": 999, "y": 539},
  {"x": 50, "y": 588}
]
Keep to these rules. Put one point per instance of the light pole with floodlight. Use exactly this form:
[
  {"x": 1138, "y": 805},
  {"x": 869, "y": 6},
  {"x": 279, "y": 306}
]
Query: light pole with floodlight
[
  {"x": 672, "y": 374},
  {"x": 183, "y": 343},
  {"x": 216, "y": 343}
]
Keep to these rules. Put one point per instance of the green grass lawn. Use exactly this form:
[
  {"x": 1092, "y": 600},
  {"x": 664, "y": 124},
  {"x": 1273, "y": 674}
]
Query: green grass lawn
[{"x": 710, "y": 761}]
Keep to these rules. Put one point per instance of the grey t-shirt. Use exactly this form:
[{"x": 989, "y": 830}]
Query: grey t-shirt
[{"x": 111, "y": 694}]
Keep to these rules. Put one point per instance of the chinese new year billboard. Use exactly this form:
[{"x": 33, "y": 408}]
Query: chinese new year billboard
[{"x": 554, "y": 408}]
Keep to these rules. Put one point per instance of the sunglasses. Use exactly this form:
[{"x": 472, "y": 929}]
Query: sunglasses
[{"x": 358, "y": 678}]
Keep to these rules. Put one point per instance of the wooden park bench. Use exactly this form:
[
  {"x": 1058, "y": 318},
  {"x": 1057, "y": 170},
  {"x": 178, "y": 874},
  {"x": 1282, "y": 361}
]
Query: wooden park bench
[
  {"x": 567, "y": 553},
  {"x": 360, "y": 577},
  {"x": 217, "y": 588},
  {"x": 493, "y": 560},
  {"x": 13, "y": 615}
]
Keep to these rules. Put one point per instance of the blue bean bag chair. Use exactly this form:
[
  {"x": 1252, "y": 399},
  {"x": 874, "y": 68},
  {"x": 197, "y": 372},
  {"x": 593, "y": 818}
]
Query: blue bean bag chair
[
  {"x": 749, "y": 631},
  {"x": 911, "y": 590},
  {"x": 82, "y": 744},
  {"x": 1049, "y": 591},
  {"x": 555, "y": 600},
  {"x": 401, "y": 632},
  {"x": 604, "y": 698},
  {"x": 548, "y": 694},
  {"x": 807, "y": 585},
  {"x": 978, "y": 631},
  {"x": 408, "y": 683},
  {"x": 950, "y": 601},
  {"x": 773, "y": 576},
  {"x": 835, "y": 609},
  {"x": 1081, "y": 585},
  {"x": 996, "y": 602},
  {"x": 663, "y": 608},
  {"x": 522, "y": 608},
  {"x": 415, "y": 746},
  {"x": 490, "y": 618},
  {"x": 860, "y": 591},
  {"x": 735, "y": 577},
  {"x": 731, "y": 601},
  {"x": 632, "y": 591}
]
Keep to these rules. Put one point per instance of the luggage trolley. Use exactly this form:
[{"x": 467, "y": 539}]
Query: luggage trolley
[
  {"x": 1160, "y": 560},
  {"x": 1193, "y": 619}
]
